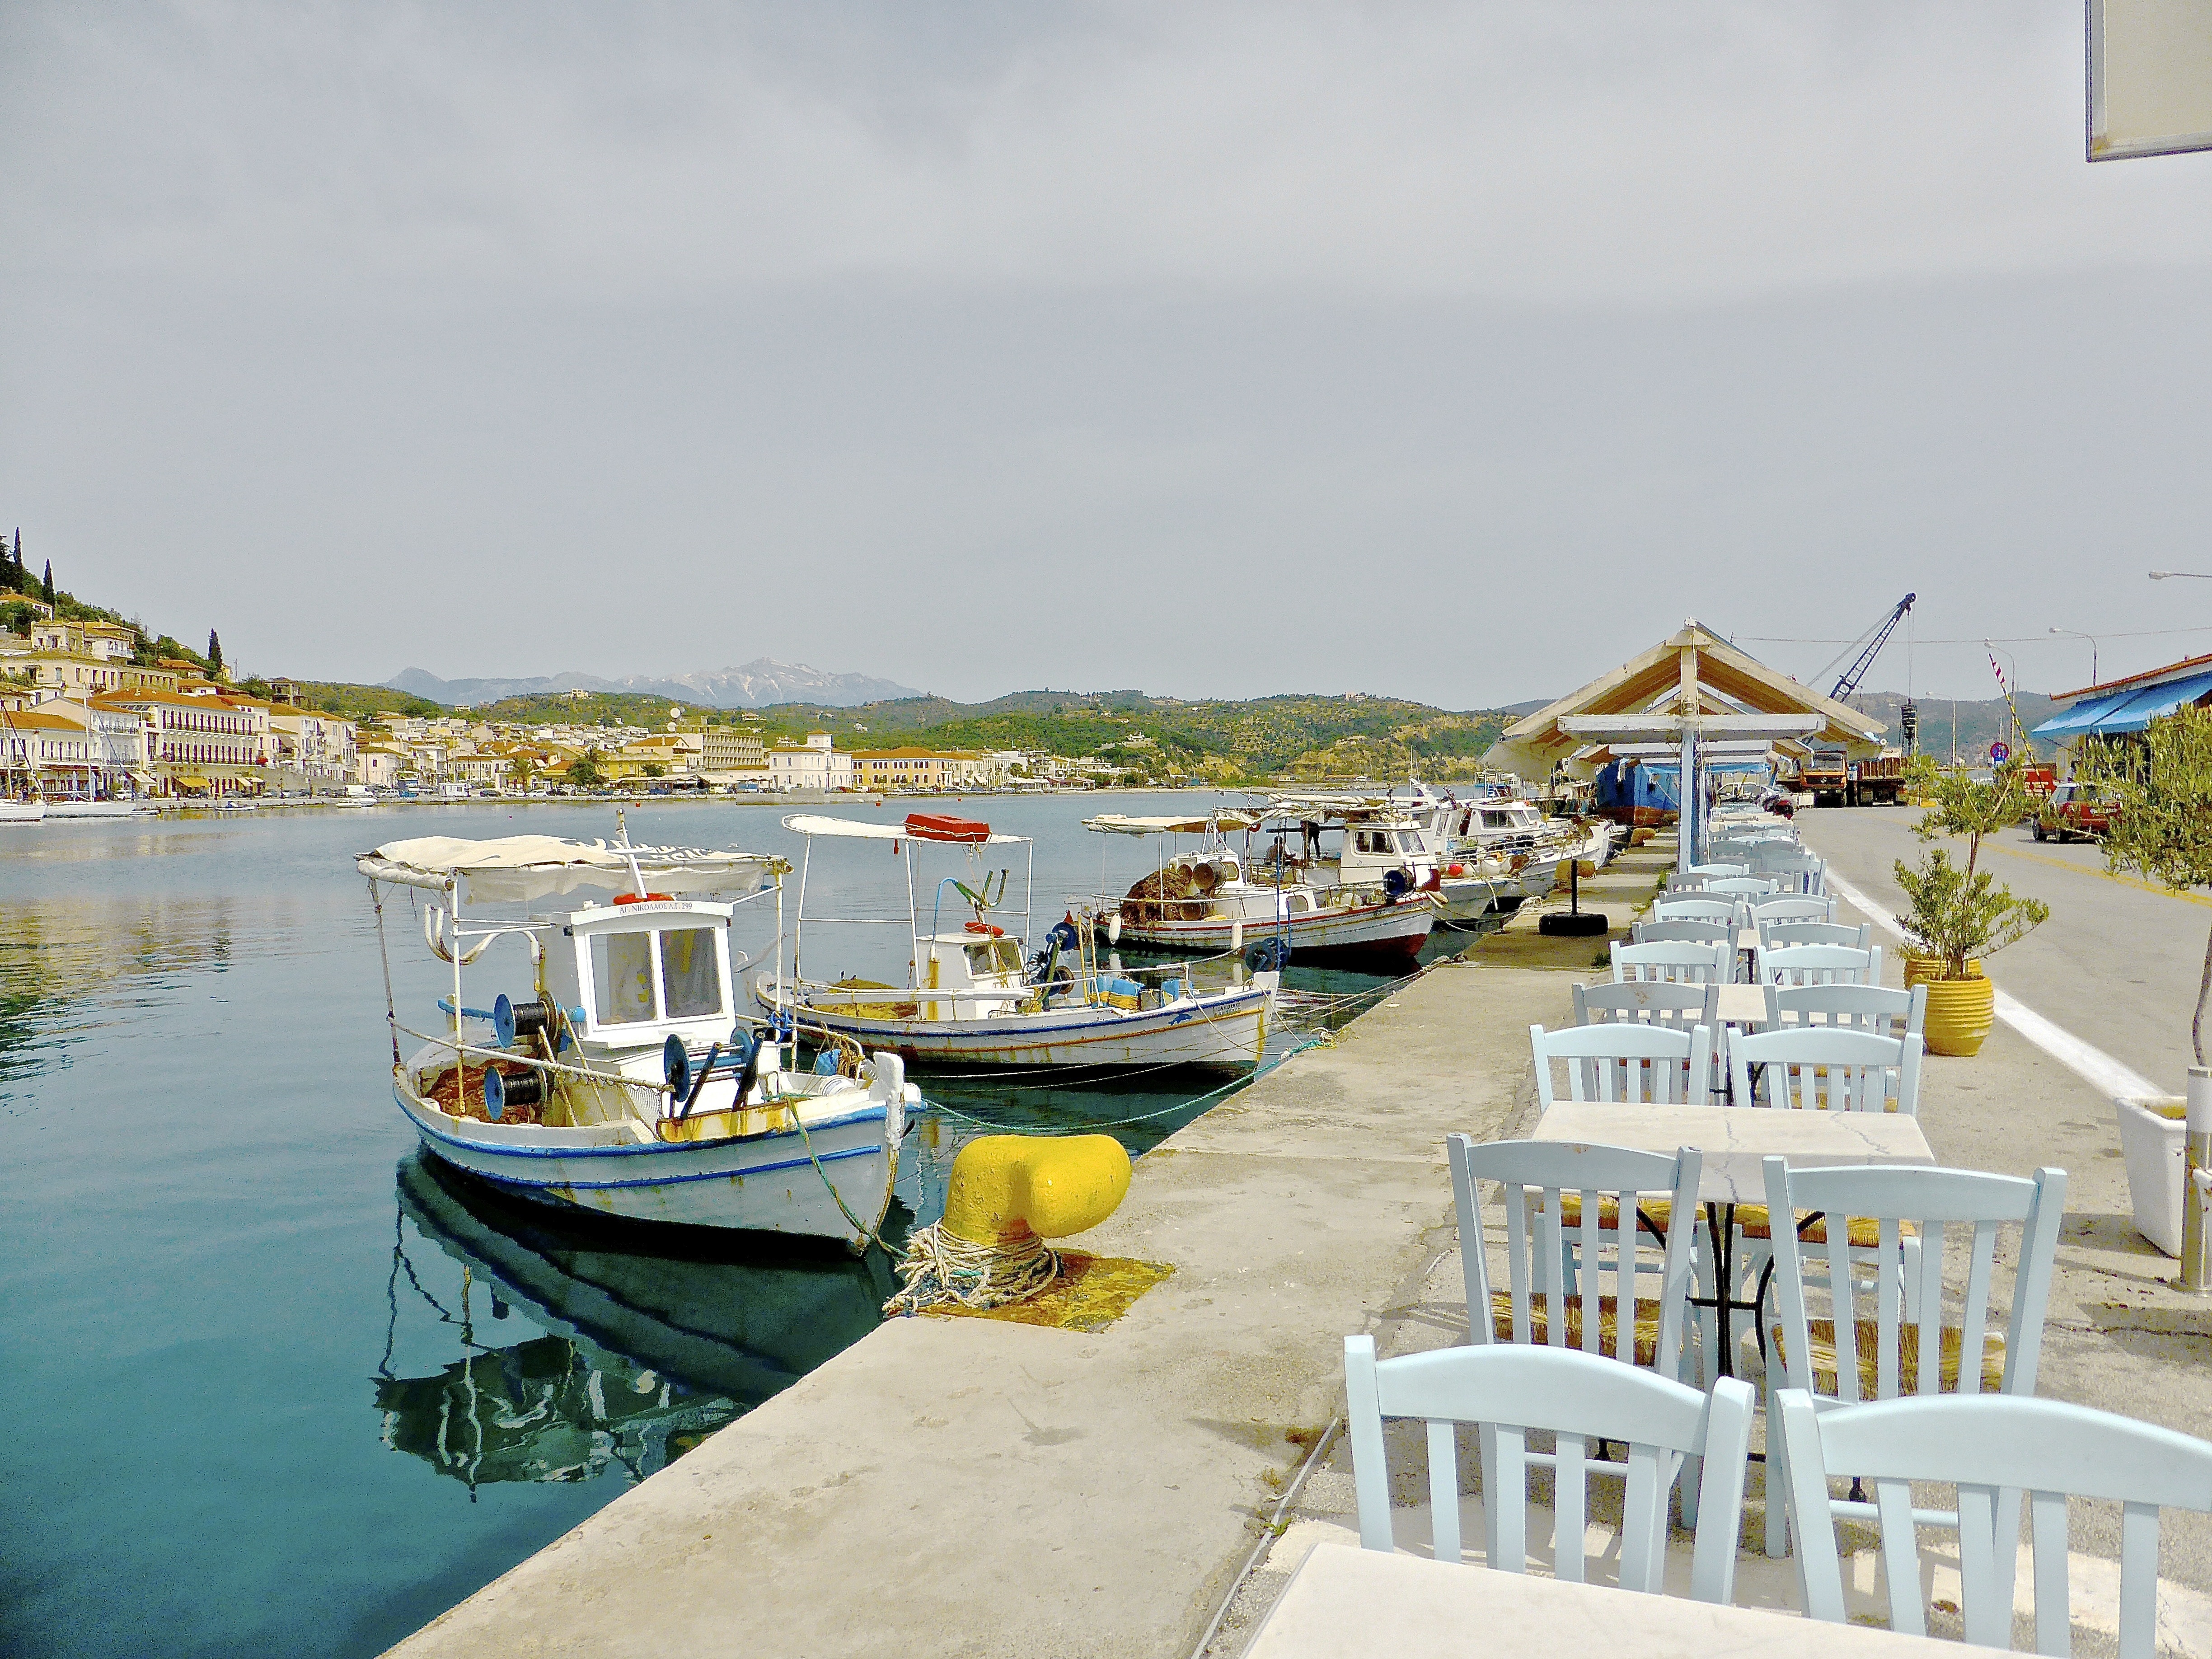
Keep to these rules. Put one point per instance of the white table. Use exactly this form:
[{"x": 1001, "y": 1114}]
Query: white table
[
  {"x": 1736, "y": 1141},
  {"x": 1344, "y": 1602},
  {"x": 1743, "y": 1005}
]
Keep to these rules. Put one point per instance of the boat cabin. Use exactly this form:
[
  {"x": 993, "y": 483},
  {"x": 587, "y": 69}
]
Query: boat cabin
[
  {"x": 632, "y": 973},
  {"x": 1365, "y": 850},
  {"x": 986, "y": 966}
]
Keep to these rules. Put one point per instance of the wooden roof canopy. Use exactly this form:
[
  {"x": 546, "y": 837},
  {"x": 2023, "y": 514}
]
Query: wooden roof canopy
[{"x": 1734, "y": 695}]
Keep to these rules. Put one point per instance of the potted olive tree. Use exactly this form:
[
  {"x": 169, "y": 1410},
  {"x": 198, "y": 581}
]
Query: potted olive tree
[
  {"x": 2161, "y": 829},
  {"x": 1961, "y": 914}
]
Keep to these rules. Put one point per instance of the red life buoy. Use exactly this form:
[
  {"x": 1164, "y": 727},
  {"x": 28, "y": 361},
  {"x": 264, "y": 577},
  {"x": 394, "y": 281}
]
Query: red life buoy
[{"x": 986, "y": 927}]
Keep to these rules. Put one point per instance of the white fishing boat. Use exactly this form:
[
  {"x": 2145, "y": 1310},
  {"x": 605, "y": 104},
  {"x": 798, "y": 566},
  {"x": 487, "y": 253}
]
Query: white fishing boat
[
  {"x": 1204, "y": 898},
  {"x": 1376, "y": 835},
  {"x": 974, "y": 996},
  {"x": 622, "y": 1080},
  {"x": 1497, "y": 823},
  {"x": 90, "y": 809}
]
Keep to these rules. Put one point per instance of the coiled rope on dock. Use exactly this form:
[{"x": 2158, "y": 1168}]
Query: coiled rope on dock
[{"x": 939, "y": 1267}]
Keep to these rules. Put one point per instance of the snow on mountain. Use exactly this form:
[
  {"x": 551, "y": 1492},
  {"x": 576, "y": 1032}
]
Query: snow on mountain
[{"x": 753, "y": 685}]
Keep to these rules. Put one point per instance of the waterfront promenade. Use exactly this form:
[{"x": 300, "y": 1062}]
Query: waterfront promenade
[{"x": 975, "y": 1487}]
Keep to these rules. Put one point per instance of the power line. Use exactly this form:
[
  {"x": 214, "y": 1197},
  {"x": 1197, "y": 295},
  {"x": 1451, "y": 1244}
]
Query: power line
[{"x": 2025, "y": 639}]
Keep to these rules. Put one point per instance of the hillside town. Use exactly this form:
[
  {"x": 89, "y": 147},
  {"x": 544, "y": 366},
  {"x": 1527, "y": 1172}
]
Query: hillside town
[{"x": 83, "y": 717}]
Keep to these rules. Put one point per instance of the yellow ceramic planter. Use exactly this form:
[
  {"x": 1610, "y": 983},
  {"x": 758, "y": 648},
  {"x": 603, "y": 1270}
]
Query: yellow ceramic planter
[
  {"x": 1918, "y": 967},
  {"x": 1959, "y": 1014}
]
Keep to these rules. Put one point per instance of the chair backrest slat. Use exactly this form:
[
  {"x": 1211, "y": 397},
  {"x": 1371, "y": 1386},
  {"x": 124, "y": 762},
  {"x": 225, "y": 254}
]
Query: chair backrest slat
[{"x": 1443, "y": 1491}]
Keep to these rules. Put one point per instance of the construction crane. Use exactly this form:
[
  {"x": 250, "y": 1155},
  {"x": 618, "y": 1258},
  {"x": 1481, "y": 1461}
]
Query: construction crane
[{"x": 1869, "y": 646}]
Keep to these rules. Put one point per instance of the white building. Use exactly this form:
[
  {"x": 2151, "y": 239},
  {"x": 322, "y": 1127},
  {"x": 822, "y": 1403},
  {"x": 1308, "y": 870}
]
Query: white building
[{"x": 816, "y": 765}]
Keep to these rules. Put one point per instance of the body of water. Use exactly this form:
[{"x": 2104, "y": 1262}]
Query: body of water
[{"x": 293, "y": 1387}]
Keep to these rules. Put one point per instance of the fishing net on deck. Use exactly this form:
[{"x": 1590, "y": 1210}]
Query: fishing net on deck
[{"x": 1144, "y": 901}]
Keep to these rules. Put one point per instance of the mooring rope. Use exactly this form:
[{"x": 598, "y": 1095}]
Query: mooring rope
[{"x": 939, "y": 1267}]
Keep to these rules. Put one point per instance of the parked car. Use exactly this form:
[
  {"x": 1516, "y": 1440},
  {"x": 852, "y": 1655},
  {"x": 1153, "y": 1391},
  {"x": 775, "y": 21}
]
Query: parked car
[{"x": 2075, "y": 810}]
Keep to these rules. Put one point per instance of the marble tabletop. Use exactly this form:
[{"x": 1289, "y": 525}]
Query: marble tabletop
[
  {"x": 1343, "y": 1602},
  {"x": 1743, "y": 1005},
  {"x": 1734, "y": 1139}
]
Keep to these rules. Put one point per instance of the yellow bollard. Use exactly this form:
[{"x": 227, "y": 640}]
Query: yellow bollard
[{"x": 1008, "y": 1188}]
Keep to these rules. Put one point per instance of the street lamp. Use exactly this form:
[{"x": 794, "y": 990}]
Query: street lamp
[
  {"x": 2162, "y": 575},
  {"x": 2077, "y": 633}
]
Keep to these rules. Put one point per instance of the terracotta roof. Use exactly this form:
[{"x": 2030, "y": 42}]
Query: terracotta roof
[{"x": 2136, "y": 682}]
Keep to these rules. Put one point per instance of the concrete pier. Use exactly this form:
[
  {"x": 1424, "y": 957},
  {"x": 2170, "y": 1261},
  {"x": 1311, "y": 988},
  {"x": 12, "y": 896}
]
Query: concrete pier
[
  {"x": 970, "y": 1486},
  {"x": 966, "y": 1487}
]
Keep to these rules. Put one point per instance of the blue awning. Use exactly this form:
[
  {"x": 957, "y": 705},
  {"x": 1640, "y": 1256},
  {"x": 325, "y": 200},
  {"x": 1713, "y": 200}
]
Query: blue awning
[{"x": 2121, "y": 712}]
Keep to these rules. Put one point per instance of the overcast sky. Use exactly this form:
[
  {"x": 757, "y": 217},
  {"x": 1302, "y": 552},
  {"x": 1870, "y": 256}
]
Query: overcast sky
[{"x": 1457, "y": 352}]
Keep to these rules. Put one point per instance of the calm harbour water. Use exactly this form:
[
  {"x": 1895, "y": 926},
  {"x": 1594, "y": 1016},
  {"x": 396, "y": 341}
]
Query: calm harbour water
[{"x": 290, "y": 1387}]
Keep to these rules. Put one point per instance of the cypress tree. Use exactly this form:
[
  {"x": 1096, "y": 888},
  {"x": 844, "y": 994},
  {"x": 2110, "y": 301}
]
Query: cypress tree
[
  {"x": 215, "y": 651},
  {"x": 48, "y": 595}
]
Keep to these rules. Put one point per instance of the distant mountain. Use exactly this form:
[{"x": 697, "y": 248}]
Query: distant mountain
[
  {"x": 1517, "y": 710},
  {"x": 756, "y": 684}
]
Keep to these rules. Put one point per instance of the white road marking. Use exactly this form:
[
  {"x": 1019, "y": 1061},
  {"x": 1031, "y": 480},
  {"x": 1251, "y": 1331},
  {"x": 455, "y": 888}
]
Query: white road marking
[{"x": 2092, "y": 1065}]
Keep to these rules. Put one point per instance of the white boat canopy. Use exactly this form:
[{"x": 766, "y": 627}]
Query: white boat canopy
[
  {"x": 1115, "y": 823},
  {"x": 519, "y": 868},
  {"x": 807, "y": 824}
]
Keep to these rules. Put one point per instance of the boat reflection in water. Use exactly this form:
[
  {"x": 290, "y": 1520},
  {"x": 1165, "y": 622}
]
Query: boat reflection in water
[{"x": 650, "y": 1343}]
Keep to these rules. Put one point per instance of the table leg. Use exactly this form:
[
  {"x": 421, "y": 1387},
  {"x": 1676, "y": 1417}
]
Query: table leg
[{"x": 1720, "y": 1227}]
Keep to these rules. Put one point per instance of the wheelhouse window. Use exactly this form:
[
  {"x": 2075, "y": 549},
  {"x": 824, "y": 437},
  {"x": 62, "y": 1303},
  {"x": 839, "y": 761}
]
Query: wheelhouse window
[
  {"x": 997, "y": 956},
  {"x": 689, "y": 986},
  {"x": 622, "y": 978}
]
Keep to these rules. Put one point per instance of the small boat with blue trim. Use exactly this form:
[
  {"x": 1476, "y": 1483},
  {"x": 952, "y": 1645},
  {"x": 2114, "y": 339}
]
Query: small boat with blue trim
[
  {"x": 617, "y": 1075},
  {"x": 1287, "y": 901},
  {"x": 972, "y": 996}
]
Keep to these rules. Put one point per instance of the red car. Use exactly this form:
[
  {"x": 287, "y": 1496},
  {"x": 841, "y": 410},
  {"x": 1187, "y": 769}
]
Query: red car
[{"x": 2083, "y": 810}]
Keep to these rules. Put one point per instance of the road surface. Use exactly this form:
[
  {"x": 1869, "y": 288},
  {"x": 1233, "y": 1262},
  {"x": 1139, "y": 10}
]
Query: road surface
[{"x": 2118, "y": 963}]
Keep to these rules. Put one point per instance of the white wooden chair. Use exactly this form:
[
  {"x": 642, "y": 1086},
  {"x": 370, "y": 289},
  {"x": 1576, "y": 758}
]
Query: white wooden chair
[
  {"x": 1684, "y": 964},
  {"x": 1876, "y": 1008},
  {"x": 1897, "y": 1224},
  {"x": 1992, "y": 1448},
  {"x": 1624, "y": 1063},
  {"x": 1745, "y": 887},
  {"x": 1719, "y": 912},
  {"x": 1778, "y": 935},
  {"x": 1791, "y": 906},
  {"x": 1509, "y": 1390},
  {"x": 1652, "y": 1002},
  {"x": 1683, "y": 932},
  {"x": 1708, "y": 871},
  {"x": 1562, "y": 1203},
  {"x": 1816, "y": 964},
  {"x": 1825, "y": 1068}
]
